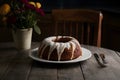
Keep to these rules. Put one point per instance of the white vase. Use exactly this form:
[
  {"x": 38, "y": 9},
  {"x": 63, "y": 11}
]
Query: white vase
[{"x": 22, "y": 38}]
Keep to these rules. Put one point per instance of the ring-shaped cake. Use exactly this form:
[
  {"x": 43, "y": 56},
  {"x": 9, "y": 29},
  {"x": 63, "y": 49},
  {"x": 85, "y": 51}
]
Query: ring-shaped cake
[{"x": 59, "y": 48}]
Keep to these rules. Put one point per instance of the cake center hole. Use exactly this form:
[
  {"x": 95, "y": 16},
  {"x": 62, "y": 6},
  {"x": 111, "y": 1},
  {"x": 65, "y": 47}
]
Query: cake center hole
[{"x": 64, "y": 40}]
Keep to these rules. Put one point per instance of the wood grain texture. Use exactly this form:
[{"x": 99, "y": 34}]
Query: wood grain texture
[
  {"x": 18, "y": 68},
  {"x": 92, "y": 71},
  {"x": 16, "y": 65},
  {"x": 5, "y": 60},
  {"x": 43, "y": 71},
  {"x": 70, "y": 72}
]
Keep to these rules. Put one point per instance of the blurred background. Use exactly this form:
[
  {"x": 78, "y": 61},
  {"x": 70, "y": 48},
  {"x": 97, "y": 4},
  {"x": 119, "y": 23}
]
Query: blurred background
[{"x": 110, "y": 26}]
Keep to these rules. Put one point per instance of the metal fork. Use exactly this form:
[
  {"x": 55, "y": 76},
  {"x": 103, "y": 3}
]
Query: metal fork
[{"x": 100, "y": 59}]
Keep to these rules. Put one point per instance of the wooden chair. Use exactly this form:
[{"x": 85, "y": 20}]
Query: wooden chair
[{"x": 83, "y": 24}]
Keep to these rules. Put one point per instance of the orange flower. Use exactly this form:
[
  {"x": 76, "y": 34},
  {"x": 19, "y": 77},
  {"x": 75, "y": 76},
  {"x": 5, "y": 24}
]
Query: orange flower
[{"x": 4, "y": 9}]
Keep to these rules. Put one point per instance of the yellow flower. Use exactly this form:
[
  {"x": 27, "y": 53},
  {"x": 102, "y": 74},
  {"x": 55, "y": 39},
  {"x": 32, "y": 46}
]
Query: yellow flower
[
  {"x": 32, "y": 3},
  {"x": 4, "y": 9},
  {"x": 37, "y": 4}
]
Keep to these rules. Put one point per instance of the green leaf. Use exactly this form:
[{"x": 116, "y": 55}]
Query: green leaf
[{"x": 37, "y": 29}]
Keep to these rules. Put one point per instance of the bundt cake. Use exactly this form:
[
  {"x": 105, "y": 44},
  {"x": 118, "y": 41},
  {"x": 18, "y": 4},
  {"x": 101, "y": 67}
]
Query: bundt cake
[{"x": 59, "y": 48}]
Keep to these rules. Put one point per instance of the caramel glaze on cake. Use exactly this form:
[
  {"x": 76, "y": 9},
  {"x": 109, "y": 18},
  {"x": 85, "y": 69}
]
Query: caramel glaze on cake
[{"x": 59, "y": 48}]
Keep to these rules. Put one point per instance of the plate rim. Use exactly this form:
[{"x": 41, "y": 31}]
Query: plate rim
[{"x": 79, "y": 59}]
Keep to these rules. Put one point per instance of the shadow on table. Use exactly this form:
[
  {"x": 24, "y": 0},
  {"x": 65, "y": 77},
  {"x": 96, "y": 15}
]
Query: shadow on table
[{"x": 55, "y": 65}]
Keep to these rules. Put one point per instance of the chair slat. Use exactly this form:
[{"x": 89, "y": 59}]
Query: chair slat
[{"x": 78, "y": 23}]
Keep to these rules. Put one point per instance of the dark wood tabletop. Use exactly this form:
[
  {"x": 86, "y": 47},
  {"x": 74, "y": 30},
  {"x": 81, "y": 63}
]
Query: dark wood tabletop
[{"x": 17, "y": 65}]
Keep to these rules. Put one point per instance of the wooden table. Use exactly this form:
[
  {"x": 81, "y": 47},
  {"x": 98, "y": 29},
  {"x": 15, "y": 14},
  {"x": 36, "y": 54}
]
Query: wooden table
[{"x": 17, "y": 65}]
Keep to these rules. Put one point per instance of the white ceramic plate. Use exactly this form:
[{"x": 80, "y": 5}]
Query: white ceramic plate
[{"x": 86, "y": 55}]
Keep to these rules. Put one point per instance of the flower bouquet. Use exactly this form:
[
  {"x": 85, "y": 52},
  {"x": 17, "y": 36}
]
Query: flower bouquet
[{"x": 21, "y": 16}]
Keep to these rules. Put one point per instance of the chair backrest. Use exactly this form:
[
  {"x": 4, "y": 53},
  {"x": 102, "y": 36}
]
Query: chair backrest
[{"x": 83, "y": 24}]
